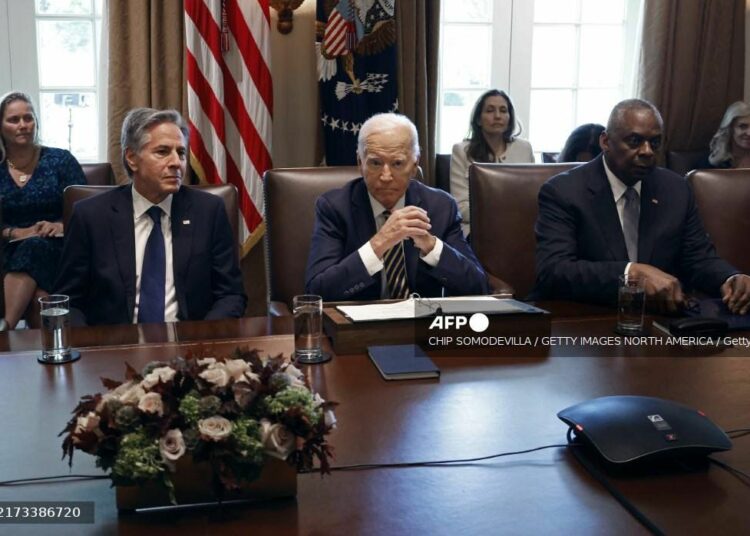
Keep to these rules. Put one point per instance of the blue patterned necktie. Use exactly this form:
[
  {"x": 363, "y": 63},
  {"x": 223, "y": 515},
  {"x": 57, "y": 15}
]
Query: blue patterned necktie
[
  {"x": 631, "y": 215},
  {"x": 395, "y": 269},
  {"x": 153, "y": 273}
]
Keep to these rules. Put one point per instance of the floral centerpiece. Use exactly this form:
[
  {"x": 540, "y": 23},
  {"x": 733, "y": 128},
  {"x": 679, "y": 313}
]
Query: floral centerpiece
[{"x": 232, "y": 412}]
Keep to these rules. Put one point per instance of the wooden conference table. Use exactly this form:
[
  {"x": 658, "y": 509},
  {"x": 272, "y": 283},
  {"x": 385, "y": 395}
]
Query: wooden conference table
[{"x": 480, "y": 406}]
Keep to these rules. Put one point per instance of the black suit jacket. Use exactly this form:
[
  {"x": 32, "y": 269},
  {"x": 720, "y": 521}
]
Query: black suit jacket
[
  {"x": 344, "y": 222},
  {"x": 98, "y": 262},
  {"x": 581, "y": 251}
]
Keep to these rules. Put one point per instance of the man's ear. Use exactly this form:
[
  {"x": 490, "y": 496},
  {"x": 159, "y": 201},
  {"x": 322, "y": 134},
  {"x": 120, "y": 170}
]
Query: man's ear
[
  {"x": 604, "y": 141},
  {"x": 132, "y": 159}
]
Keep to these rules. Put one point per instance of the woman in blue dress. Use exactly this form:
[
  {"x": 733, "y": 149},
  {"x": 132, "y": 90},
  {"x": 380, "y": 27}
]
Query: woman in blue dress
[{"x": 32, "y": 180}]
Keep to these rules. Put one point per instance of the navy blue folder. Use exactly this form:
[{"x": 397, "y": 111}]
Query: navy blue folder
[{"x": 402, "y": 362}]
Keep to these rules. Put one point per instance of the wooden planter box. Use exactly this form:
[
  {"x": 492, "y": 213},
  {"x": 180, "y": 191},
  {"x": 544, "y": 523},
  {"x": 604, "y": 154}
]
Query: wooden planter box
[{"x": 193, "y": 485}]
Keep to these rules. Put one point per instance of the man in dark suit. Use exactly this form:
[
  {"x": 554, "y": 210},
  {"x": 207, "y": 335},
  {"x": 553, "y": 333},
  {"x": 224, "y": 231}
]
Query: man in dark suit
[
  {"x": 385, "y": 235},
  {"x": 152, "y": 251},
  {"x": 620, "y": 214}
]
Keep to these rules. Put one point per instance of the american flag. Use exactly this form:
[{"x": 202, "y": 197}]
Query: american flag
[{"x": 230, "y": 100}]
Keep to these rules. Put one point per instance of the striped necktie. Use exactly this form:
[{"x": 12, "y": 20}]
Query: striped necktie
[
  {"x": 631, "y": 215},
  {"x": 395, "y": 269}
]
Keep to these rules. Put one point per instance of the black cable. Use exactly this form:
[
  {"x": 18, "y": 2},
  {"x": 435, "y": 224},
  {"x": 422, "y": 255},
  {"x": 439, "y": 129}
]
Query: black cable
[
  {"x": 619, "y": 497},
  {"x": 731, "y": 469},
  {"x": 365, "y": 466},
  {"x": 61, "y": 478},
  {"x": 739, "y": 431}
]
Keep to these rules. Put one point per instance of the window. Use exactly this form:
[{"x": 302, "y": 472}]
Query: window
[
  {"x": 563, "y": 62},
  {"x": 54, "y": 55}
]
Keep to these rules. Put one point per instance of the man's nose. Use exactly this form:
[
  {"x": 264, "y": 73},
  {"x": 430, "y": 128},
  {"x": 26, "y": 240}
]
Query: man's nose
[
  {"x": 386, "y": 174},
  {"x": 646, "y": 149}
]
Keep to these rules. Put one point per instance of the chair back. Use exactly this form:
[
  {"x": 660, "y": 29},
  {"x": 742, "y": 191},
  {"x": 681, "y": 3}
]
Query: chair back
[
  {"x": 227, "y": 192},
  {"x": 723, "y": 199},
  {"x": 503, "y": 201},
  {"x": 683, "y": 162},
  {"x": 443, "y": 172},
  {"x": 290, "y": 196},
  {"x": 99, "y": 174}
]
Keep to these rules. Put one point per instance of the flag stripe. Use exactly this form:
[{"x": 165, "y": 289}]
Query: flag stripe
[{"x": 230, "y": 98}]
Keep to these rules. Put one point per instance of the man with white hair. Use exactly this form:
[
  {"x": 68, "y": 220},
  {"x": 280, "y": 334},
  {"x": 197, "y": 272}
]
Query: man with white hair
[{"x": 385, "y": 235}]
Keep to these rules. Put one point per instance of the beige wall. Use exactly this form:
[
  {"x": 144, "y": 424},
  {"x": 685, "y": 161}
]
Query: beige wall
[{"x": 295, "y": 90}]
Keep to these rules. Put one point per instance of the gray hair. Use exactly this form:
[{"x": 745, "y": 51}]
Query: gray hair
[
  {"x": 721, "y": 143},
  {"x": 138, "y": 123},
  {"x": 4, "y": 102},
  {"x": 616, "y": 117},
  {"x": 387, "y": 121}
]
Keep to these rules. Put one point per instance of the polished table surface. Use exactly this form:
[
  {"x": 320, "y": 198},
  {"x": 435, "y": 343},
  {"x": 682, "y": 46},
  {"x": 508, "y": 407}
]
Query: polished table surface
[{"x": 480, "y": 406}]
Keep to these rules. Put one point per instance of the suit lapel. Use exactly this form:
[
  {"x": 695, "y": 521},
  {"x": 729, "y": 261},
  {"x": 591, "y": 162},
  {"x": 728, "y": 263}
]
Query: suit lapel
[
  {"x": 122, "y": 228},
  {"x": 605, "y": 211},
  {"x": 364, "y": 220},
  {"x": 650, "y": 200},
  {"x": 182, "y": 240}
]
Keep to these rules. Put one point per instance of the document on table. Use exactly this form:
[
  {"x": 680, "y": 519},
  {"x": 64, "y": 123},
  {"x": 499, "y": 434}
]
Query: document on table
[{"x": 421, "y": 307}]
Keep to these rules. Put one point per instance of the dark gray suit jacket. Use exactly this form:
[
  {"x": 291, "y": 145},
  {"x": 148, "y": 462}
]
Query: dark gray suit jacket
[
  {"x": 98, "y": 262},
  {"x": 581, "y": 251}
]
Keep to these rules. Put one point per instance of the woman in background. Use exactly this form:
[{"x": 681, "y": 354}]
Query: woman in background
[
  {"x": 583, "y": 144},
  {"x": 730, "y": 146},
  {"x": 32, "y": 180},
  {"x": 492, "y": 137}
]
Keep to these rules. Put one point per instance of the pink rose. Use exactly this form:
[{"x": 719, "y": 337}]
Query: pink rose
[
  {"x": 172, "y": 445},
  {"x": 215, "y": 428},
  {"x": 158, "y": 375},
  {"x": 151, "y": 403},
  {"x": 277, "y": 440},
  {"x": 87, "y": 423}
]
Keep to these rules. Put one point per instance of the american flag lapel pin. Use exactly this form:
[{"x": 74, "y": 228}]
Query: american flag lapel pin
[
  {"x": 185, "y": 222},
  {"x": 654, "y": 201}
]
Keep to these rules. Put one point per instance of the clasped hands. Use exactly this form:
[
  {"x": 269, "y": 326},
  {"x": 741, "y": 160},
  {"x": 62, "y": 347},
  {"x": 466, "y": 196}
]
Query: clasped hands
[
  {"x": 665, "y": 294},
  {"x": 40, "y": 228},
  {"x": 408, "y": 222}
]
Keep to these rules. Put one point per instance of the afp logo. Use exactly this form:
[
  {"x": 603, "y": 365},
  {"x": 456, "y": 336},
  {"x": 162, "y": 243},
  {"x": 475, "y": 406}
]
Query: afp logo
[{"x": 478, "y": 322}]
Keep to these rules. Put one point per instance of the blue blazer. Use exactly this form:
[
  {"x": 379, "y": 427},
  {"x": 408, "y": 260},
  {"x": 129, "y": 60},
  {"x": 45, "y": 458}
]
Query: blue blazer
[
  {"x": 344, "y": 222},
  {"x": 98, "y": 262},
  {"x": 580, "y": 251}
]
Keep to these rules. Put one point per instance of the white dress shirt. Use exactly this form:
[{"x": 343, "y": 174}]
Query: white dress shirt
[{"x": 143, "y": 225}]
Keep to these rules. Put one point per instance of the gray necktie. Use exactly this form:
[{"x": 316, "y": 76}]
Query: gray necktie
[{"x": 631, "y": 215}]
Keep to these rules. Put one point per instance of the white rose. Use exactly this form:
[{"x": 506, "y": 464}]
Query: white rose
[
  {"x": 132, "y": 395},
  {"x": 161, "y": 374},
  {"x": 236, "y": 368},
  {"x": 172, "y": 445},
  {"x": 151, "y": 403},
  {"x": 216, "y": 374},
  {"x": 215, "y": 428},
  {"x": 206, "y": 361},
  {"x": 277, "y": 440},
  {"x": 294, "y": 372},
  {"x": 252, "y": 376}
]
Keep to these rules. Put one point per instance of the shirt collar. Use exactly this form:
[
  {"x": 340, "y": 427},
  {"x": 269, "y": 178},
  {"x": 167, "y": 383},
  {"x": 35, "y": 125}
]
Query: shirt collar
[
  {"x": 378, "y": 208},
  {"x": 141, "y": 204},
  {"x": 618, "y": 187}
]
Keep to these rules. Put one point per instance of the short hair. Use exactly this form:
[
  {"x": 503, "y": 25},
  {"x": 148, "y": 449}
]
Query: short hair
[
  {"x": 721, "y": 143},
  {"x": 616, "y": 117},
  {"x": 478, "y": 149},
  {"x": 4, "y": 102},
  {"x": 583, "y": 138},
  {"x": 387, "y": 121},
  {"x": 138, "y": 123}
]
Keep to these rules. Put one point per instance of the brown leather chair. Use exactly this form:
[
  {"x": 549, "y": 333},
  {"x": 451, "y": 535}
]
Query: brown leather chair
[
  {"x": 683, "y": 162},
  {"x": 290, "y": 196},
  {"x": 723, "y": 199},
  {"x": 443, "y": 172},
  {"x": 227, "y": 192},
  {"x": 503, "y": 200},
  {"x": 100, "y": 174}
]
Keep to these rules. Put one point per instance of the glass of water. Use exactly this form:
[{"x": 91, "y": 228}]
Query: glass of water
[
  {"x": 308, "y": 324},
  {"x": 631, "y": 302},
  {"x": 55, "y": 313}
]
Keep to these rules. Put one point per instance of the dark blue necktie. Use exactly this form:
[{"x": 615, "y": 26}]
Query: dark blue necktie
[{"x": 153, "y": 273}]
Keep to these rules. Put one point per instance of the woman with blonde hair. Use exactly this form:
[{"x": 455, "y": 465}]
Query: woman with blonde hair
[{"x": 730, "y": 146}]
